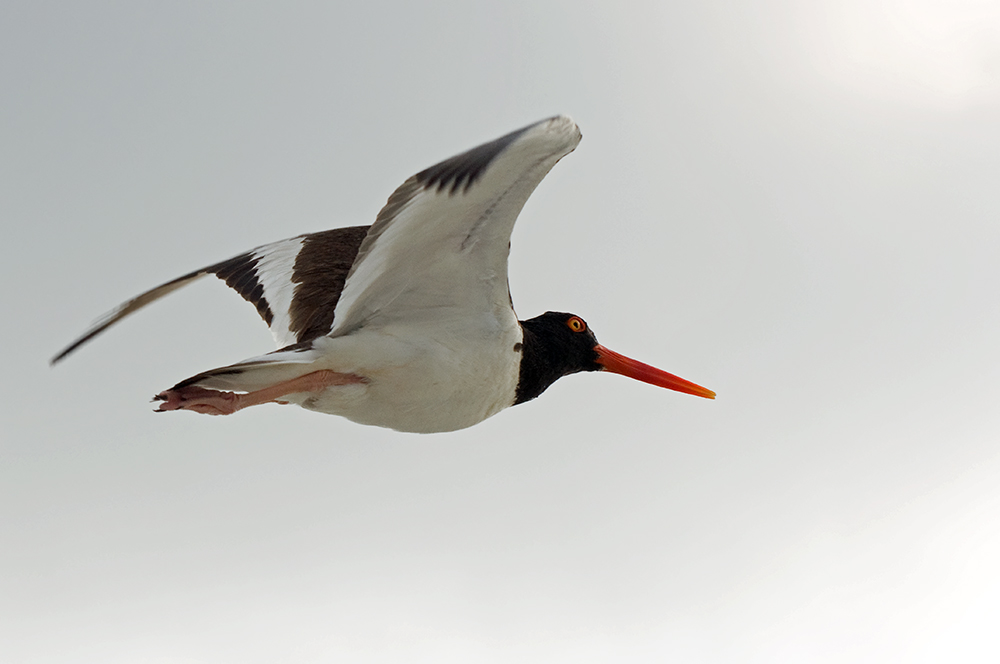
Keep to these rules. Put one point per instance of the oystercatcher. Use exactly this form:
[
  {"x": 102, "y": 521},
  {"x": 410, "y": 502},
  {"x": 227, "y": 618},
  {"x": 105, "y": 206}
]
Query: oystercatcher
[{"x": 407, "y": 323}]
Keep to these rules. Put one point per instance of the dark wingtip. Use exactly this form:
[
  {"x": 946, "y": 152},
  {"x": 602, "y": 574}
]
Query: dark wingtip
[
  {"x": 66, "y": 351},
  {"x": 460, "y": 172},
  {"x": 79, "y": 342}
]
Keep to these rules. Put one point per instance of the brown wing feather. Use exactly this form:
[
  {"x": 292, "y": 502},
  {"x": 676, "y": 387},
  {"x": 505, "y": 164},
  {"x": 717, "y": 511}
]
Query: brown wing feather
[{"x": 321, "y": 268}]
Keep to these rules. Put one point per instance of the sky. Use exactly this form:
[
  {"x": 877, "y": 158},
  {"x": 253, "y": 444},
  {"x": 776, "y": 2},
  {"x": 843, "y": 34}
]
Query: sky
[{"x": 792, "y": 203}]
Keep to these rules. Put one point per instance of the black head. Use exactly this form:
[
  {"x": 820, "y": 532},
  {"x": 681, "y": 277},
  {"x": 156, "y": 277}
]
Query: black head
[{"x": 557, "y": 344}]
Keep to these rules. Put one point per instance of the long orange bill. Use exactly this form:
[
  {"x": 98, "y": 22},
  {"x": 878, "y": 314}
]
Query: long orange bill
[{"x": 626, "y": 366}]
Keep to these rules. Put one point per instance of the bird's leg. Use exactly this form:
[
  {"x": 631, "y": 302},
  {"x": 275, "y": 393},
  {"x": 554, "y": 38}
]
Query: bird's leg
[{"x": 217, "y": 402}]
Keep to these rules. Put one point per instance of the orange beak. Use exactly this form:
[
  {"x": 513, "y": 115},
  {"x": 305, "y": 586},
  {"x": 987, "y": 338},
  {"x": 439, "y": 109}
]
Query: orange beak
[{"x": 626, "y": 366}]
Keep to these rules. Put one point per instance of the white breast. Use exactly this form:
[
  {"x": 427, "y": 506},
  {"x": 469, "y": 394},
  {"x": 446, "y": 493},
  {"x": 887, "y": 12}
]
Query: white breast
[{"x": 422, "y": 379}]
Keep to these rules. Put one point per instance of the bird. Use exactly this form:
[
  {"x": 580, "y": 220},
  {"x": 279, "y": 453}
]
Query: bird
[{"x": 407, "y": 323}]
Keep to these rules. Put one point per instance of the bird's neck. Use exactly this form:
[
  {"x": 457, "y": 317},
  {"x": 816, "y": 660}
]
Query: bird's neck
[{"x": 540, "y": 366}]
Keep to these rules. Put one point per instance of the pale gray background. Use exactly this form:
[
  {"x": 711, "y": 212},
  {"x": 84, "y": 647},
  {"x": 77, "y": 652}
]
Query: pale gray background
[{"x": 793, "y": 203}]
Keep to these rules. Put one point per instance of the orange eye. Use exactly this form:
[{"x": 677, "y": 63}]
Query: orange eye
[{"x": 576, "y": 324}]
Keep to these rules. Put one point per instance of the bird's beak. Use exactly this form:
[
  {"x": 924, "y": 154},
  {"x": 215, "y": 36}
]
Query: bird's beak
[{"x": 626, "y": 366}]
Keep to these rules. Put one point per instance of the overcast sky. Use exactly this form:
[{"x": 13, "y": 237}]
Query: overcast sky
[{"x": 794, "y": 203}]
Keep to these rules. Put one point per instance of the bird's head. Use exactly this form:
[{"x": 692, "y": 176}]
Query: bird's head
[{"x": 557, "y": 344}]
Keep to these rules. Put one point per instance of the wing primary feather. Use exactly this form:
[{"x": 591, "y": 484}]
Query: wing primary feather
[
  {"x": 123, "y": 310},
  {"x": 462, "y": 171},
  {"x": 238, "y": 273},
  {"x": 314, "y": 276}
]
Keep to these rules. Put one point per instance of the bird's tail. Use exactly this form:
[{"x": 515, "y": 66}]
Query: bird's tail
[{"x": 255, "y": 373}]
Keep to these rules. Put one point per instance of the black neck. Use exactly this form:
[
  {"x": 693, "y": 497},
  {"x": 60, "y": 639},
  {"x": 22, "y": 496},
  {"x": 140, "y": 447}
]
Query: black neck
[{"x": 548, "y": 353}]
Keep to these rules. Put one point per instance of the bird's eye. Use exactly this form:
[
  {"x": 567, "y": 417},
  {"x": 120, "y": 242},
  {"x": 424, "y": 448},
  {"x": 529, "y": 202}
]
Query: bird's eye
[{"x": 576, "y": 324}]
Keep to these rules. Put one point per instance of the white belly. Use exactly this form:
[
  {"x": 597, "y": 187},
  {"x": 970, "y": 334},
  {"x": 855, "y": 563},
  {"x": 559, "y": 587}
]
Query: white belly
[{"x": 421, "y": 382}]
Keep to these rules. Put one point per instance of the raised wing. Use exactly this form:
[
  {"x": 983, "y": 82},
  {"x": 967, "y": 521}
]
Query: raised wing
[
  {"x": 294, "y": 284},
  {"x": 438, "y": 249}
]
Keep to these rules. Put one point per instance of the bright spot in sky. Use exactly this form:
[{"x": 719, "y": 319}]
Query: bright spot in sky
[{"x": 943, "y": 52}]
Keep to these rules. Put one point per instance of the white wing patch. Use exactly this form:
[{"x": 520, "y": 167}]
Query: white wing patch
[{"x": 275, "y": 264}]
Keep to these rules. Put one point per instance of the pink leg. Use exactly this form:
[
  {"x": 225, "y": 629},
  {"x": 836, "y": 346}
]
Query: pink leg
[{"x": 217, "y": 402}]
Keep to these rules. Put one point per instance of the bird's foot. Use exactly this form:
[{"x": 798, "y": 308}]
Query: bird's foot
[
  {"x": 217, "y": 402},
  {"x": 199, "y": 400}
]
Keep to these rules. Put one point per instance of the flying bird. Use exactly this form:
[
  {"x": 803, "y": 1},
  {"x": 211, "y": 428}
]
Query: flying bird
[{"x": 407, "y": 323}]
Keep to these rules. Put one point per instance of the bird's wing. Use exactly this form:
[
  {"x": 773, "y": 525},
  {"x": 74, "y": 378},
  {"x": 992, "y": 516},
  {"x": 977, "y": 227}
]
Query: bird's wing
[
  {"x": 438, "y": 249},
  {"x": 294, "y": 284}
]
